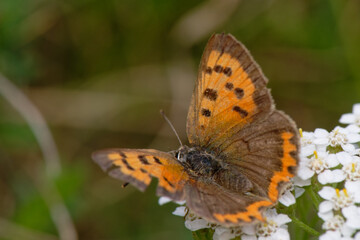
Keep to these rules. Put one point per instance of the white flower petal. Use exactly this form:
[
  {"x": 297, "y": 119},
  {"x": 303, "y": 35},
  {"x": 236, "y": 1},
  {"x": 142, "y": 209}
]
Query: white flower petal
[
  {"x": 348, "y": 147},
  {"x": 197, "y": 224},
  {"x": 180, "y": 202},
  {"x": 163, "y": 200},
  {"x": 353, "y": 222},
  {"x": 307, "y": 150},
  {"x": 222, "y": 233},
  {"x": 282, "y": 219},
  {"x": 352, "y": 128},
  {"x": 321, "y": 133},
  {"x": 332, "y": 160},
  {"x": 337, "y": 176},
  {"x": 281, "y": 234},
  {"x": 357, "y": 236},
  {"x": 298, "y": 191},
  {"x": 356, "y": 109},
  {"x": 321, "y": 148},
  {"x": 331, "y": 235},
  {"x": 354, "y": 188},
  {"x": 287, "y": 198},
  {"x": 247, "y": 237},
  {"x": 326, "y": 215},
  {"x": 347, "y": 118},
  {"x": 180, "y": 211},
  {"x": 331, "y": 176},
  {"x": 327, "y": 192},
  {"x": 249, "y": 229},
  {"x": 301, "y": 182},
  {"x": 346, "y": 238},
  {"x": 347, "y": 231},
  {"x": 326, "y": 206},
  {"x": 353, "y": 137},
  {"x": 349, "y": 211},
  {"x": 321, "y": 141},
  {"x": 305, "y": 173},
  {"x": 352, "y": 215},
  {"x": 324, "y": 177},
  {"x": 344, "y": 158},
  {"x": 270, "y": 213}
]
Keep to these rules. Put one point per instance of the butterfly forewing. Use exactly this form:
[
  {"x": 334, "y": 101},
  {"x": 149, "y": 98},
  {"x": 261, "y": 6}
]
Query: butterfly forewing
[
  {"x": 230, "y": 92},
  {"x": 138, "y": 166}
]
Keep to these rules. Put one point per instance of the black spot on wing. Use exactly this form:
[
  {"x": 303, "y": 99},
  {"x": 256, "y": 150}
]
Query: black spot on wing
[
  {"x": 143, "y": 160},
  {"x": 229, "y": 86},
  {"x": 210, "y": 94},
  {"x": 157, "y": 160},
  {"x": 227, "y": 71},
  {"x": 122, "y": 154},
  {"x": 239, "y": 92},
  {"x": 243, "y": 113},
  {"x": 208, "y": 70},
  {"x": 205, "y": 112},
  {"x": 127, "y": 165},
  {"x": 292, "y": 169},
  {"x": 170, "y": 184},
  {"x": 218, "y": 68}
]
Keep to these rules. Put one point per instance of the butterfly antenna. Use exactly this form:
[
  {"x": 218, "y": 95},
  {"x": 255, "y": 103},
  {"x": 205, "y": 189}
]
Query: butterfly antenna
[{"x": 172, "y": 127}]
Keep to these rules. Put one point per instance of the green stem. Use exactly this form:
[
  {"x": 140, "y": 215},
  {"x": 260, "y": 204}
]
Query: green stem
[
  {"x": 312, "y": 190},
  {"x": 305, "y": 227},
  {"x": 203, "y": 234},
  {"x": 315, "y": 198}
]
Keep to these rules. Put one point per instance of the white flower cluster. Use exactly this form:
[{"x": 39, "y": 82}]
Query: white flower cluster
[
  {"x": 274, "y": 228},
  {"x": 334, "y": 158}
]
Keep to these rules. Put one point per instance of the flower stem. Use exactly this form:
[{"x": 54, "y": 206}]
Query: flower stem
[
  {"x": 305, "y": 227},
  {"x": 312, "y": 190},
  {"x": 203, "y": 234}
]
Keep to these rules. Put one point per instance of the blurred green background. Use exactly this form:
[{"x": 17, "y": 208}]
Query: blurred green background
[{"x": 99, "y": 71}]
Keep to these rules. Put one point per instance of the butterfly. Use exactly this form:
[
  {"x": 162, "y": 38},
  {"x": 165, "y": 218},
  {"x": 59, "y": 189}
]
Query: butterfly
[{"x": 242, "y": 152}]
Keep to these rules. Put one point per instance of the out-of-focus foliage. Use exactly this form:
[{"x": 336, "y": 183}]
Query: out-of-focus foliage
[{"x": 99, "y": 71}]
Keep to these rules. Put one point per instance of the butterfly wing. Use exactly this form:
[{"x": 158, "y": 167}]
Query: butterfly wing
[
  {"x": 266, "y": 153},
  {"x": 218, "y": 205},
  {"x": 230, "y": 92},
  {"x": 138, "y": 166}
]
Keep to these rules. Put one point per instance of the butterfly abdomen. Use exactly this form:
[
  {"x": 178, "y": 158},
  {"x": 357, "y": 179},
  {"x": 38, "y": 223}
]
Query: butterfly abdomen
[{"x": 233, "y": 180}]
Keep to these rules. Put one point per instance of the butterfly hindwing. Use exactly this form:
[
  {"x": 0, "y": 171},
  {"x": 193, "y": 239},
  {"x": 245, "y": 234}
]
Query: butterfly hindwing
[
  {"x": 138, "y": 166},
  {"x": 217, "y": 204},
  {"x": 266, "y": 153}
]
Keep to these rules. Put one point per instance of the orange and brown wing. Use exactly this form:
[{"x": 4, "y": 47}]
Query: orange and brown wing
[
  {"x": 265, "y": 154},
  {"x": 218, "y": 205},
  {"x": 230, "y": 92},
  {"x": 138, "y": 166}
]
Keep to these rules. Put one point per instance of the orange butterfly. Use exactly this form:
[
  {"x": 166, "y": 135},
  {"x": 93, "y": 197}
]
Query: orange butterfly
[{"x": 242, "y": 150}]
